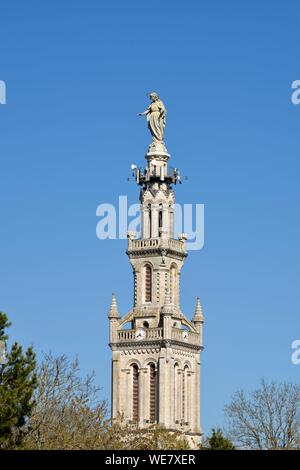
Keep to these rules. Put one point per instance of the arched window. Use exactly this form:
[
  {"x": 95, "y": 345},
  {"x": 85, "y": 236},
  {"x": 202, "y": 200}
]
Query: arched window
[
  {"x": 148, "y": 283},
  {"x": 152, "y": 393},
  {"x": 160, "y": 220},
  {"x": 135, "y": 393}
]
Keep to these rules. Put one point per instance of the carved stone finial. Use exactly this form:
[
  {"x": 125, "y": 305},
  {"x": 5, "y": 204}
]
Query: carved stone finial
[
  {"x": 182, "y": 237},
  {"x": 113, "y": 311},
  {"x": 198, "y": 315},
  {"x": 131, "y": 235}
]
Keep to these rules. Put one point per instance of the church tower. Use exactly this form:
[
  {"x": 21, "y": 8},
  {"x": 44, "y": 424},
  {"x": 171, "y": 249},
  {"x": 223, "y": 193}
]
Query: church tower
[{"x": 155, "y": 347}]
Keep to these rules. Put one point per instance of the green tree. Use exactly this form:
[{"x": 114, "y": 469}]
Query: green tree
[
  {"x": 125, "y": 436},
  {"x": 217, "y": 441},
  {"x": 17, "y": 384}
]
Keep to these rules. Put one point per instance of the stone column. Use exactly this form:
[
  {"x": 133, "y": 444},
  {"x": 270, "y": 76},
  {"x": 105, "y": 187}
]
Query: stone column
[
  {"x": 135, "y": 287},
  {"x": 198, "y": 424},
  {"x": 179, "y": 395},
  {"x": 139, "y": 286},
  {"x": 167, "y": 326},
  {"x": 178, "y": 289},
  {"x": 190, "y": 398},
  {"x": 175, "y": 396},
  {"x": 156, "y": 393},
  {"x": 171, "y": 392},
  {"x": 115, "y": 384},
  {"x": 171, "y": 222},
  {"x": 162, "y": 388},
  {"x": 145, "y": 223},
  {"x": 186, "y": 395},
  {"x": 165, "y": 223},
  {"x": 142, "y": 398},
  {"x": 196, "y": 397},
  {"x": 126, "y": 393},
  {"x": 154, "y": 220},
  {"x": 164, "y": 280},
  {"x": 156, "y": 286},
  {"x": 113, "y": 330},
  {"x": 146, "y": 394},
  {"x": 168, "y": 389}
]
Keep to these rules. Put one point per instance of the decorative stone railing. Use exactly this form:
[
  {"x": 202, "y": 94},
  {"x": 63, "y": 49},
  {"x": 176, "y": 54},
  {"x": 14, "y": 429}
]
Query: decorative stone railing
[
  {"x": 125, "y": 335},
  {"x": 145, "y": 243},
  {"x": 185, "y": 336},
  {"x": 153, "y": 243},
  {"x": 149, "y": 334},
  {"x": 176, "y": 244},
  {"x": 154, "y": 334}
]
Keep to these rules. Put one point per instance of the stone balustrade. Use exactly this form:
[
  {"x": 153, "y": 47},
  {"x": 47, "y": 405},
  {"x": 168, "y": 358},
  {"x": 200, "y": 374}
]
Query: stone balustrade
[
  {"x": 191, "y": 338},
  {"x": 150, "y": 334},
  {"x": 154, "y": 334},
  {"x": 144, "y": 243},
  {"x": 154, "y": 243}
]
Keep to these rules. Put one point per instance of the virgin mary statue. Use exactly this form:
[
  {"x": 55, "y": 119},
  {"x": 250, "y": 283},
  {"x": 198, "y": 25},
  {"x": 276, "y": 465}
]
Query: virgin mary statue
[{"x": 156, "y": 118}]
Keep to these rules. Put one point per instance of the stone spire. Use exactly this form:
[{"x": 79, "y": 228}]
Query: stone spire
[
  {"x": 113, "y": 311},
  {"x": 198, "y": 315}
]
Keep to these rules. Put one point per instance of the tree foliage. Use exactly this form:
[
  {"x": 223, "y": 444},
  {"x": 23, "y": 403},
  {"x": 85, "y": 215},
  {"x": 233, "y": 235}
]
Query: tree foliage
[
  {"x": 269, "y": 418},
  {"x": 124, "y": 436},
  {"x": 17, "y": 384},
  {"x": 217, "y": 441},
  {"x": 69, "y": 415}
]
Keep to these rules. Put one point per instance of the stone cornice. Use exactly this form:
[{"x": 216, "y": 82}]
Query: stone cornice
[
  {"x": 150, "y": 252},
  {"x": 162, "y": 343}
]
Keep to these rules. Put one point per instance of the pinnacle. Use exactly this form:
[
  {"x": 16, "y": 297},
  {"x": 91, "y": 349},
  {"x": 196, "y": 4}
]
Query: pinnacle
[
  {"x": 198, "y": 315},
  {"x": 113, "y": 311}
]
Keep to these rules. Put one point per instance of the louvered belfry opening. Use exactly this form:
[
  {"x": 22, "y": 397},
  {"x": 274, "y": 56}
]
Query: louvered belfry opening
[
  {"x": 135, "y": 393},
  {"x": 148, "y": 283},
  {"x": 152, "y": 394}
]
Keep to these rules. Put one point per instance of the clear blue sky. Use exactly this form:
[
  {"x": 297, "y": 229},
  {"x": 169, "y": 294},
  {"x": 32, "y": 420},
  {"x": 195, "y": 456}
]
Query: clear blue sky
[{"x": 77, "y": 74}]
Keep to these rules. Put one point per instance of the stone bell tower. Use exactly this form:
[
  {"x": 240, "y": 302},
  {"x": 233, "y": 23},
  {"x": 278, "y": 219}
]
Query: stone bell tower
[{"x": 155, "y": 347}]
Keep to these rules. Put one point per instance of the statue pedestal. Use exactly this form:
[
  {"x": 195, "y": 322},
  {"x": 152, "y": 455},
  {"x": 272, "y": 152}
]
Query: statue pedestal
[
  {"x": 158, "y": 151},
  {"x": 157, "y": 157}
]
